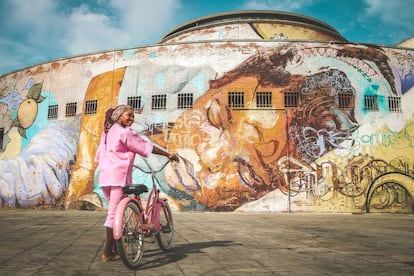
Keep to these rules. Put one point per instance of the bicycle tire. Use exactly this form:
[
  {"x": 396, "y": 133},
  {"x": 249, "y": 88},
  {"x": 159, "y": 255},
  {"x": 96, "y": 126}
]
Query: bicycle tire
[
  {"x": 131, "y": 244},
  {"x": 165, "y": 236}
]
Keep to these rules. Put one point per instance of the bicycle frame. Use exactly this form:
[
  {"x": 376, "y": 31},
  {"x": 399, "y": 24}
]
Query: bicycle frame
[{"x": 150, "y": 215}]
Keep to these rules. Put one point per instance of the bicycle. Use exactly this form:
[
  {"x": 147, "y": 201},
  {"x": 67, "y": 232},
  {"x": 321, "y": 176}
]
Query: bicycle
[{"x": 134, "y": 224}]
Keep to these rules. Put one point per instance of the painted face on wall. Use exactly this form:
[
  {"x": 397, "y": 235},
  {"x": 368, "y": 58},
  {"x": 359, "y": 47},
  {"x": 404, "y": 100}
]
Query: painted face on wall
[{"x": 243, "y": 146}]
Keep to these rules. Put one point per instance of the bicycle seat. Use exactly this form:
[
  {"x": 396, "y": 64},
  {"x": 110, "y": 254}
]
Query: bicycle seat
[{"x": 135, "y": 189}]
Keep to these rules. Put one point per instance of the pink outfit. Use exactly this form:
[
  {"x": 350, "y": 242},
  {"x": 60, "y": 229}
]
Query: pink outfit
[
  {"x": 113, "y": 195},
  {"x": 115, "y": 155}
]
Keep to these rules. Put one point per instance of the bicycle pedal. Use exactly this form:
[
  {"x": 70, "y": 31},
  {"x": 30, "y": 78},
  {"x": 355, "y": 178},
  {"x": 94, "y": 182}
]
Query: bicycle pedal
[
  {"x": 150, "y": 239},
  {"x": 165, "y": 229}
]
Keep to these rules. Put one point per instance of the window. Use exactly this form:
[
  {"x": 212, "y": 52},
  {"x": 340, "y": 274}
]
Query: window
[
  {"x": 159, "y": 102},
  {"x": 70, "y": 109},
  {"x": 345, "y": 100},
  {"x": 1, "y": 138},
  {"x": 185, "y": 101},
  {"x": 370, "y": 102},
  {"x": 134, "y": 102},
  {"x": 291, "y": 99},
  {"x": 236, "y": 99},
  {"x": 394, "y": 104},
  {"x": 264, "y": 99},
  {"x": 91, "y": 106},
  {"x": 52, "y": 111}
]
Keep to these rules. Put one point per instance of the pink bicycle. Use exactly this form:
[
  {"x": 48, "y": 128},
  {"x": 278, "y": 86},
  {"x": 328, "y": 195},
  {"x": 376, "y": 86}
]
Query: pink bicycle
[{"x": 135, "y": 224}]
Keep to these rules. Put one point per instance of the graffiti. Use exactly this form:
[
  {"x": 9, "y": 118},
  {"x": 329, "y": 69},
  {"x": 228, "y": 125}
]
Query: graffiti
[
  {"x": 391, "y": 192},
  {"x": 403, "y": 139},
  {"x": 354, "y": 181},
  {"x": 336, "y": 81},
  {"x": 388, "y": 195}
]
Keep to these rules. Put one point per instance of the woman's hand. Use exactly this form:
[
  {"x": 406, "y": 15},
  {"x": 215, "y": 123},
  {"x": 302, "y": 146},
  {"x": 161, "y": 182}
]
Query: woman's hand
[{"x": 173, "y": 157}]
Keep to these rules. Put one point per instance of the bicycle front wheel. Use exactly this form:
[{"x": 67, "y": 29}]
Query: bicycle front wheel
[
  {"x": 131, "y": 244},
  {"x": 166, "y": 234}
]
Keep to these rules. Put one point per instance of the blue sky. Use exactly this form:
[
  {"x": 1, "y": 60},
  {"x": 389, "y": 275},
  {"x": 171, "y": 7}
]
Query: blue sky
[{"x": 37, "y": 31}]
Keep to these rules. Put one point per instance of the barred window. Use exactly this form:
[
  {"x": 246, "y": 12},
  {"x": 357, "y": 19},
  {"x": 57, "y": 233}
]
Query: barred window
[
  {"x": 370, "y": 102},
  {"x": 159, "y": 102},
  {"x": 52, "y": 111},
  {"x": 394, "y": 104},
  {"x": 70, "y": 109},
  {"x": 134, "y": 102},
  {"x": 264, "y": 99},
  {"x": 1, "y": 138},
  {"x": 91, "y": 106},
  {"x": 291, "y": 99},
  {"x": 185, "y": 101},
  {"x": 236, "y": 99},
  {"x": 345, "y": 100}
]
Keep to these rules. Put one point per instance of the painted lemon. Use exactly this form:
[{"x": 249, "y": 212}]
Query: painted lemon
[{"x": 27, "y": 112}]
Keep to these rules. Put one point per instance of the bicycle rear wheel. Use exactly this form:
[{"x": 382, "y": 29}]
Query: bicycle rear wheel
[
  {"x": 166, "y": 234},
  {"x": 131, "y": 244}
]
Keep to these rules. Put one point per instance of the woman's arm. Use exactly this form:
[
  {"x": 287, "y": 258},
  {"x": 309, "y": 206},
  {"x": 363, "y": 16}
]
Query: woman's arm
[{"x": 159, "y": 151}]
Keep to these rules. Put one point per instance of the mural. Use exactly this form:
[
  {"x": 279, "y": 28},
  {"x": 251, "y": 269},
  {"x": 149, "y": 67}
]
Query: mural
[
  {"x": 36, "y": 161},
  {"x": 273, "y": 126}
]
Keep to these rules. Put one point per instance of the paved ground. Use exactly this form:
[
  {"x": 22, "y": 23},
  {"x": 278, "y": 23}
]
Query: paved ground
[{"x": 46, "y": 242}]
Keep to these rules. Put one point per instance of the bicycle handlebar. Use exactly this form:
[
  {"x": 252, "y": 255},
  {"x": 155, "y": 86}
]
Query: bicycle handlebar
[{"x": 173, "y": 158}]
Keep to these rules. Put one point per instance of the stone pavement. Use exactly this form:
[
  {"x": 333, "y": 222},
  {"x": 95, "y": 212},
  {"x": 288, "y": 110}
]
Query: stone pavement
[{"x": 70, "y": 242}]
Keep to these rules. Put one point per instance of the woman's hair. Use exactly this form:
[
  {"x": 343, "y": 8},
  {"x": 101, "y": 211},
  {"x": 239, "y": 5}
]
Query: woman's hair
[
  {"x": 108, "y": 119},
  {"x": 118, "y": 111}
]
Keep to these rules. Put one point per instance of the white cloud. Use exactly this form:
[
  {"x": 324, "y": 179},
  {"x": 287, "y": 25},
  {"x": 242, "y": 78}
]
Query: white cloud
[
  {"x": 133, "y": 23},
  {"x": 391, "y": 14},
  {"x": 394, "y": 12},
  {"x": 35, "y": 21},
  {"x": 56, "y": 26},
  {"x": 146, "y": 21}
]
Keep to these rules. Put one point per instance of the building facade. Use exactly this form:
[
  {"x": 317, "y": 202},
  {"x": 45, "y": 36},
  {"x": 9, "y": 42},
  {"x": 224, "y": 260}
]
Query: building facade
[{"x": 268, "y": 111}]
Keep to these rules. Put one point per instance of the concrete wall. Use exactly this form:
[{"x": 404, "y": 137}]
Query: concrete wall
[{"x": 344, "y": 145}]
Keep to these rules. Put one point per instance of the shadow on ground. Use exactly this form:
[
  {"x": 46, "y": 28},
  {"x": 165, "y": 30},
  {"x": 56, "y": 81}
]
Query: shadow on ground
[{"x": 155, "y": 257}]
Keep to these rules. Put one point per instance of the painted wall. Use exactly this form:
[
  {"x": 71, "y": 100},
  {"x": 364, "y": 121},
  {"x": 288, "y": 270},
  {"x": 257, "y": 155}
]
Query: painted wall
[{"x": 326, "y": 153}]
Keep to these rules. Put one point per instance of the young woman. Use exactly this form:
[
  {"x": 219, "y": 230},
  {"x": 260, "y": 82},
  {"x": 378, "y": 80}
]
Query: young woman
[{"x": 115, "y": 156}]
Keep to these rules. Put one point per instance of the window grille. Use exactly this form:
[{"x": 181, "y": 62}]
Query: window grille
[
  {"x": 1, "y": 138},
  {"x": 91, "y": 107},
  {"x": 291, "y": 99},
  {"x": 264, "y": 99},
  {"x": 159, "y": 102},
  {"x": 52, "y": 111},
  {"x": 236, "y": 99},
  {"x": 70, "y": 109},
  {"x": 345, "y": 100},
  {"x": 394, "y": 104},
  {"x": 134, "y": 102},
  {"x": 185, "y": 101},
  {"x": 370, "y": 102}
]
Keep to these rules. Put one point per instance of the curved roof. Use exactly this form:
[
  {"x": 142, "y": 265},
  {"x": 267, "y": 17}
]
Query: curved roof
[
  {"x": 407, "y": 43},
  {"x": 249, "y": 16}
]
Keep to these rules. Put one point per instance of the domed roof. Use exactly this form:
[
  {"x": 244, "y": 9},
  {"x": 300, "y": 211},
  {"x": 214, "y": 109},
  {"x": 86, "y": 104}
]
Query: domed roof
[
  {"x": 266, "y": 24},
  {"x": 408, "y": 43}
]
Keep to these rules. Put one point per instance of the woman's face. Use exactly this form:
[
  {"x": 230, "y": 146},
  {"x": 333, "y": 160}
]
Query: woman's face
[{"x": 127, "y": 118}]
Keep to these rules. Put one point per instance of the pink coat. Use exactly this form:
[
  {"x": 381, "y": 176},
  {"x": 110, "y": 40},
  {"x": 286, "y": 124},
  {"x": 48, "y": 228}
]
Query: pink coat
[{"x": 116, "y": 157}]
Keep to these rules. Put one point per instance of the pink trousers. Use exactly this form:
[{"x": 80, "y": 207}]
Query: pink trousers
[{"x": 113, "y": 195}]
